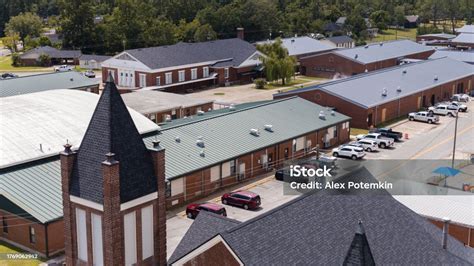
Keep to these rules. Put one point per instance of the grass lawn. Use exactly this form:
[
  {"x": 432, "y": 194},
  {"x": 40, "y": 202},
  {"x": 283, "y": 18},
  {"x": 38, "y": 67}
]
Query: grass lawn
[
  {"x": 357, "y": 131},
  {"x": 389, "y": 34},
  {"x": 6, "y": 66},
  {"x": 6, "y": 248}
]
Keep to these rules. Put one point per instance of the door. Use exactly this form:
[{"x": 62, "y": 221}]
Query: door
[
  {"x": 264, "y": 161},
  {"x": 369, "y": 120},
  {"x": 142, "y": 80},
  {"x": 424, "y": 100},
  {"x": 384, "y": 113},
  {"x": 241, "y": 171},
  {"x": 432, "y": 101}
]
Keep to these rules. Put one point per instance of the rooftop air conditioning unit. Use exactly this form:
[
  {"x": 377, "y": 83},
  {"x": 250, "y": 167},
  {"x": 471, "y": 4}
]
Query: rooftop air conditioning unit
[
  {"x": 399, "y": 89},
  {"x": 254, "y": 132},
  {"x": 232, "y": 107},
  {"x": 200, "y": 143},
  {"x": 381, "y": 43},
  {"x": 384, "y": 92},
  {"x": 322, "y": 115},
  {"x": 333, "y": 113},
  {"x": 202, "y": 154},
  {"x": 269, "y": 128},
  {"x": 404, "y": 71},
  {"x": 366, "y": 46},
  {"x": 436, "y": 78},
  {"x": 200, "y": 112},
  {"x": 168, "y": 118}
]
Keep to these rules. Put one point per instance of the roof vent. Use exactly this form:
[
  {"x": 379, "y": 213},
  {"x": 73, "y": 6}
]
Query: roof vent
[
  {"x": 292, "y": 40},
  {"x": 356, "y": 56},
  {"x": 366, "y": 46},
  {"x": 200, "y": 142},
  {"x": 232, "y": 107},
  {"x": 254, "y": 132},
  {"x": 399, "y": 89},
  {"x": 333, "y": 113},
  {"x": 71, "y": 79},
  {"x": 404, "y": 71},
  {"x": 384, "y": 92},
  {"x": 168, "y": 118},
  {"x": 210, "y": 109},
  {"x": 322, "y": 115},
  {"x": 202, "y": 154},
  {"x": 200, "y": 112},
  {"x": 177, "y": 139},
  {"x": 436, "y": 78},
  {"x": 381, "y": 43},
  {"x": 269, "y": 128}
]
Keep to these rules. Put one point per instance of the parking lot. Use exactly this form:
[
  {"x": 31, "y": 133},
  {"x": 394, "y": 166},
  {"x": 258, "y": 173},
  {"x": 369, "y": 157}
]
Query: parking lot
[{"x": 425, "y": 141}]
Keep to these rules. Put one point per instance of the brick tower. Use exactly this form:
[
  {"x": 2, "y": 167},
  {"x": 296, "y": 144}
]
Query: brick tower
[{"x": 113, "y": 191}]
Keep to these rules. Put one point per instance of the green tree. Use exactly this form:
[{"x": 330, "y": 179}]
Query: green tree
[
  {"x": 278, "y": 64},
  {"x": 356, "y": 24},
  {"x": 30, "y": 43},
  {"x": 25, "y": 24},
  {"x": 44, "y": 41},
  {"x": 159, "y": 32},
  {"x": 11, "y": 42},
  {"x": 381, "y": 19},
  {"x": 399, "y": 16},
  {"x": 77, "y": 24},
  {"x": 205, "y": 33}
]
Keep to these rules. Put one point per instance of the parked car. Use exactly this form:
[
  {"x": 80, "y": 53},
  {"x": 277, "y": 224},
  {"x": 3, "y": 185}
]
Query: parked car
[
  {"x": 63, "y": 68},
  {"x": 192, "y": 210},
  {"x": 348, "y": 151},
  {"x": 89, "y": 74},
  {"x": 368, "y": 144},
  {"x": 459, "y": 106},
  {"x": 382, "y": 141},
  {"x": 443, "y": 109},
  {"x": 460, "y": 98},
  {"x": 8, "y": 76},
  {"x": 389, "y": 133},
  {"x": 246, "y": 199},
  {"x": 423, "y": 116}
]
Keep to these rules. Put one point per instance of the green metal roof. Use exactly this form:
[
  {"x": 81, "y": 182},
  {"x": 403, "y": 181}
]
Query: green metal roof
[
  {"x": 36, "y": 187},
  {"x": 227, "y": 134},
  {"x": 45, "y": 82}
]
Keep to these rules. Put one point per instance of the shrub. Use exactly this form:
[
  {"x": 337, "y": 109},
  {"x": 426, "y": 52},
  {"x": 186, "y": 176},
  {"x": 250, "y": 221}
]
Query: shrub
[
  {"x": 260, "y": 83},
  {"x": 44, "y": 60},
  {"x": 15, "y": 59}
]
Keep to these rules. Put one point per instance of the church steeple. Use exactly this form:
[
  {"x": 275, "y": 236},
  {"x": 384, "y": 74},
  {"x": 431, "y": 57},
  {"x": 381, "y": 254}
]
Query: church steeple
[
  {"x": 113, "y": 191},
  {"x": 359, "y": 252}
]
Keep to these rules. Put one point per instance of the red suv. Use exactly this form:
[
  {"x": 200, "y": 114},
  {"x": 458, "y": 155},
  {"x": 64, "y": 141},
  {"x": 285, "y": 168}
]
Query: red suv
[
  {"x": 192, "y": 210},
  {"x": 245, "y": 199}
]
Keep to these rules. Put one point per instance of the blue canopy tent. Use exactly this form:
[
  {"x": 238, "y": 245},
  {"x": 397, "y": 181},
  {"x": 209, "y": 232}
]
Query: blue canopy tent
[{"x": 446, "y": 171}]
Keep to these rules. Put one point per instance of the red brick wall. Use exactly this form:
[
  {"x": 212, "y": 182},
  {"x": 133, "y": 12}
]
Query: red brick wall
[
  {"x": 18, "y": 232},
  {"x": 459, "y": 232},
  {"x": 345, "y": 66}
]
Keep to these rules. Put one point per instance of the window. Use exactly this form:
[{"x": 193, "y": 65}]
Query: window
[
  {"x": 232, "y": 167},
  {"x": 32, "y": 235},
  {"x": 335, "y": 131},
  {"x": 226, "y": 72},
  {"x": 81, "y": 233},
  {"x": 181, "y": 76},
  {"x": 205, "y": 72},
  {"x": 215, "y": 173},
  {"x": 177, "y": 186},
  {"x": 168, "y": 78},
  {"x": 5, "y": 225},
  {"x": 168, "y": 189},
  {"x": 153, "y": 117},
  {"x": 97, "y": 244},
  {"x": 158, "y": 81},
  {"x": 147, "y": 232},
  {"x": 194, "y": 73},
  {"x": 142, "y": 80},
  {"x": 130, "y": 238}
]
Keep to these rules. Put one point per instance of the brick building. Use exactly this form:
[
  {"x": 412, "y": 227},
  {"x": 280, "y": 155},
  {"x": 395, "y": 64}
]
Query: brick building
[
  {"x": 34, "y": 127},
  {"x": 380, "y": 96},
  {"x": 113, "y": 191},
  {"x": 161, "y": 106},
  {"x": 56, "y": 56},
  {"x": 50, "y": 81},
  {"x": 186, "y": 66},
  {"x": 348, "y": 62},
  {"x": 324, "y": 227}
]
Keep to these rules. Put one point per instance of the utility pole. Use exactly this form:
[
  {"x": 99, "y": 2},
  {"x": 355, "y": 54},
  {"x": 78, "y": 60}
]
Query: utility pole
[{"x": 455, "y": 136}]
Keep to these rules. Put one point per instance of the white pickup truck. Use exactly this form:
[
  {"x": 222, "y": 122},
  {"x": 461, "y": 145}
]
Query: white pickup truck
[
  {"x": 423, "y": 116},
  {"x": 63, "y": 68},
  {"x": 444, "y": 109},
  {"x": 382, "y": 141}
]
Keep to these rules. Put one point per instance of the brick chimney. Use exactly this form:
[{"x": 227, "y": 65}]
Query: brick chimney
[
  {"x": 446, "y": 221},
  {"x": 240, "y": 33}
]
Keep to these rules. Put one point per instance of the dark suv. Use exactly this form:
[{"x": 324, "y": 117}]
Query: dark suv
[
  {"x": 246, "y": 199},
  {"x": 192, "y": 210}
]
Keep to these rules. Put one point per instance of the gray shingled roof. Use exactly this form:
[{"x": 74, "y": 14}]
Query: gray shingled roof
[
  {"x": 319, "y": 228},
  {"x": 366, "y": 89},
  {"x": 112, "y": 129},
  {"x": 206, "y": 226},
  {"x": 376, "y": 52},
  {"x": 51, "y": 51},
  {"x": 45, "y": 82},
  {"x": 340, "y": 39},
  {"x": 291, "y": 117},
  {"x": 191, "y": 53}
]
